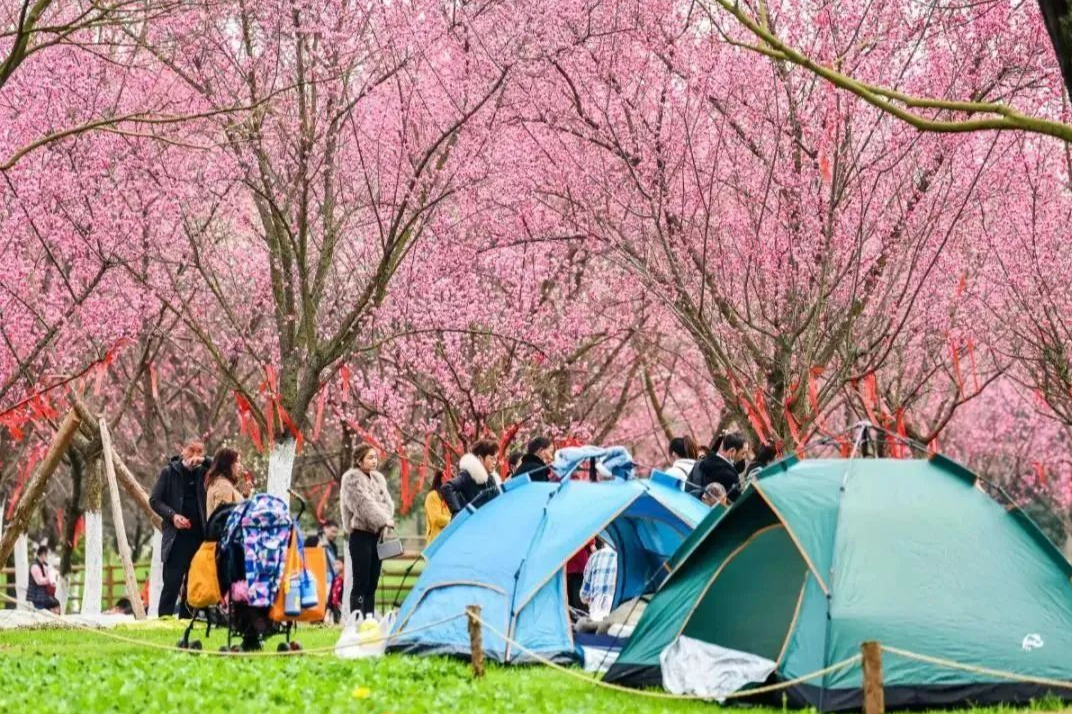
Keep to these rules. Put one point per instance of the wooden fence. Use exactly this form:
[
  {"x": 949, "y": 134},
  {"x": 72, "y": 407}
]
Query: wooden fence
[
  {"x": 396, "y": 580},
  {"x": 113, "y": 586}
]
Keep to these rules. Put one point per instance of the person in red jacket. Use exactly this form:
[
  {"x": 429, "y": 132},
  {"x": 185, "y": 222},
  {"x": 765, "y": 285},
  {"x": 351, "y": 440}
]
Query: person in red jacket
[{"x": 575, "y": 576}]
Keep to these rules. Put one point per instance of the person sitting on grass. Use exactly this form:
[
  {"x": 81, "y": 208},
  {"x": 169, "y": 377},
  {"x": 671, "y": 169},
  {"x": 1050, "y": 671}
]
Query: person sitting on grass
[{"x": 42, "y": 589}]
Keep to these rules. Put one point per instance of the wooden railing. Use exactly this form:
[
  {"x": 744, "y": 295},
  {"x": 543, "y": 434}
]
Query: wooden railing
[
  {"x": 112, "y": 578},
  {"x": 396, "y": 580}
]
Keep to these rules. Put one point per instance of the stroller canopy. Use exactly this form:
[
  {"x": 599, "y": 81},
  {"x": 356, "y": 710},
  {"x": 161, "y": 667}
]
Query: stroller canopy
[{"x": 509, "y": 557}]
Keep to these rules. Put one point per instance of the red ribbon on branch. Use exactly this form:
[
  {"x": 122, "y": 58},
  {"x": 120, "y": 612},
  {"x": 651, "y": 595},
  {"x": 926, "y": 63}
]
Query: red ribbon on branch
[
  {"x": 749, "y": 410},
  {"x": 269, "y": 389},
  {"x": 318, "y": 421},
  {"x": 1040, "y": 473},
  {"x": 367, "y": 436},
  {"x": 404, "y": 481},
  {"x": 247, "y": 423},
  {"x": 971, "y": 358},
  {"x": 79, "y": 529},
  {"x": 23, "y": 476},
  {"x": 504, "y": 445},
  {"x": 344, "y": 377}
]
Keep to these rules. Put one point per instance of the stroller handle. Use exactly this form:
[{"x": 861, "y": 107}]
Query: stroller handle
[{"x": 301, "y": 500}]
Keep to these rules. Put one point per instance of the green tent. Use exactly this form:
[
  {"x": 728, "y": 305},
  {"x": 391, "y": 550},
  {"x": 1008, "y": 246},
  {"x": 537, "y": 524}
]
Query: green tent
[{"x": 822, "y": 555}]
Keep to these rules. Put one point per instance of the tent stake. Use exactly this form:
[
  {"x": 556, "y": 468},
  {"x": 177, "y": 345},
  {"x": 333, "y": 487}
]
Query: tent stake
[
  {"x": 476, "y": 640},
  {"x": 874, "y": 691}
]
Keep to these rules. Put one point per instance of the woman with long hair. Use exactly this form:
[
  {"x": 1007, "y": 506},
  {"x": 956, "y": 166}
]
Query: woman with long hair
[
  {"x": 683, "y": 454},
  {"x": 222, "y": 480},
  {"x": 367, "y": 511},
  {"x": 436, "y": 513}
]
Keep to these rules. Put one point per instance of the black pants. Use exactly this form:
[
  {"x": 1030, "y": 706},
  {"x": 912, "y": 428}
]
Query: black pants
[
  {"x": 175, "y": 568},
  {"x": 365, "y": 565},
  {"x": 574, "y": 581}
]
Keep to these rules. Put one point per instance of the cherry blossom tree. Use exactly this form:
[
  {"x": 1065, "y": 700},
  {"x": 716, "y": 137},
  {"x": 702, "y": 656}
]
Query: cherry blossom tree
[{"x": 368, "y": 120}]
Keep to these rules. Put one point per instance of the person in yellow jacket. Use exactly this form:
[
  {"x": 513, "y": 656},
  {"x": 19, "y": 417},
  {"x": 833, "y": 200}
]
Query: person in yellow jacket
[{"x": 436, "y": 513}]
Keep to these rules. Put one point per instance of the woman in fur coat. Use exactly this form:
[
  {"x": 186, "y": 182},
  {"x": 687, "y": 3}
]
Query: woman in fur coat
[{"x": 367, "y": 511}]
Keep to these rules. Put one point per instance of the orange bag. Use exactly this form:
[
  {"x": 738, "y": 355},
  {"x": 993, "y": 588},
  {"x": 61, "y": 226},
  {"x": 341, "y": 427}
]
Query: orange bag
[
  {"x": 316, "y": 565},
  {"x": 291, "y": 566},
  {"x": 202, "y": 585}
]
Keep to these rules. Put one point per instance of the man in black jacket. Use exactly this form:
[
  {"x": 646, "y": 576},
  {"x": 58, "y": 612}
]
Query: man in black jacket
[
  {"x": 474, "y": 484},
  {"x": 179, "y": 499},
  {"x": 536, "y": 463},
  {"x": 718, "y": 467}
]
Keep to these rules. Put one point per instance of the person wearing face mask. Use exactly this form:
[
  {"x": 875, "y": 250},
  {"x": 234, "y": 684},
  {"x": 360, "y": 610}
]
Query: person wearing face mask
[
  {"x": 179, "y": 499},
  {"x": 367, "y": 511},
  {"x": 719, "y": 466},
  {"x": 475, "y": 483}
]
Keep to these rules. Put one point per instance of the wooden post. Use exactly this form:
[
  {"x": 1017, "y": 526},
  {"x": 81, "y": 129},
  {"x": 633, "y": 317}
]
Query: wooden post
[
  {"x": 874, "y": 691},
  {"x": 35, "y": 488},
  {"x": 109, "y": 586},
  {"x": 126, "y": 478},
  {"x": 476, "y": 640},
  {"x": 133, "y": 592}
]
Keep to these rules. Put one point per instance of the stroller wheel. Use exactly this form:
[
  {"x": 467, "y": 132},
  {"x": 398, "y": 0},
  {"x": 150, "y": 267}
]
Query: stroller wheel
[
  {"x": 196, "y": 645},
  {"x": 283, "y": 647},
  {"x": 183, "y": 644},
  {"x": 236, "y": 648},
  {"x": 295, "y": 647},
  {"x": 224, "y": 648}
]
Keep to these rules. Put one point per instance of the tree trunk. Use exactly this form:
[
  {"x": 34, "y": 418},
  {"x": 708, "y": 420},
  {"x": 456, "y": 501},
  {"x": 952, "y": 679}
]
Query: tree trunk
[
  {"x": 35, "y": 488},
  {"x": 156, "y": 575},
  {"x": 347, "y": 581},
  {"x": 22, "y": 569},
  {"x": 1058, "y": 17},
  {"x": 72, "y": 510},
  {"x": 281, "y": 467},
  {"x": 92, "y": 584}
]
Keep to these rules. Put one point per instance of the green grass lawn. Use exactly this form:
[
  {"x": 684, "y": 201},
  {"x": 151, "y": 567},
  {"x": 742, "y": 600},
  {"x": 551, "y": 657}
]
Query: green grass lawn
[{"x": 77, "y": 671}]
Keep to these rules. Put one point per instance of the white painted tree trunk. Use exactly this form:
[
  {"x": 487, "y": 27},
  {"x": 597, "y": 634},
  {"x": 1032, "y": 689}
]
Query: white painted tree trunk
[
  {"x": 62, "y": 589},
  {"x": 22, "y": 569},
  {"x": 281, "y": 468},
  {"x": 93, "y": 589},
  {"x": 347, "y": 585},
  {"x": 156, "y": 575}
]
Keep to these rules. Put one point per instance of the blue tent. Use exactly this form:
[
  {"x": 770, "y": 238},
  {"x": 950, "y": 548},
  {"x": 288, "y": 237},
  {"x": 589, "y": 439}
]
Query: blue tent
[{"x": 509, "y": 557}]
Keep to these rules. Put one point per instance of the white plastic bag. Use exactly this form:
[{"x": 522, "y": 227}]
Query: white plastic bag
[{"x": 364, "y": 637}]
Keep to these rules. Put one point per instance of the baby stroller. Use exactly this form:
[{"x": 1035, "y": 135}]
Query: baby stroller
[{"x": 253, "y": 544}]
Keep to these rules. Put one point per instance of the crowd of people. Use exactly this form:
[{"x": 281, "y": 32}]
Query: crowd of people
[{"x": 192, "y": 486}]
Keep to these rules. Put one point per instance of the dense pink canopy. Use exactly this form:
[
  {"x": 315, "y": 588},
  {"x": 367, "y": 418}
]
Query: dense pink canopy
[{"x": 605, "y": 220}]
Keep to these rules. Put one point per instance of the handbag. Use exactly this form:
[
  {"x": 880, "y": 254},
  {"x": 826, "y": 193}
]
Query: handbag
[
  {"x": 388, "y": 548},
  {"x": 202, "y": 584},
  {"x": 308, "y": 588},
  {"x": 288, "y": 599}
]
